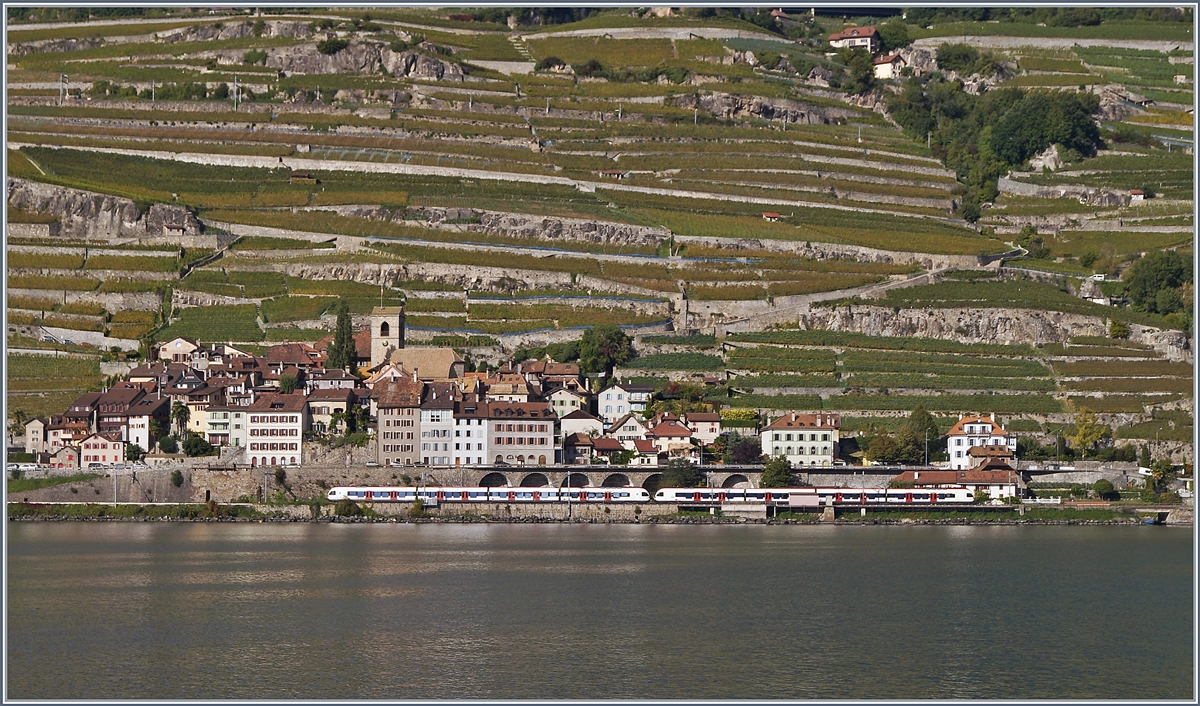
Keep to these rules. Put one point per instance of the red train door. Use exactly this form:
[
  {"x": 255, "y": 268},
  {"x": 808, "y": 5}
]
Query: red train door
[
  {"x": 933, "y": 497},
  {"x": 863, "y": 498},
  {"x": 696, "y": 497},
  {"x": 721, "y": 497},
  {"x": 393, "y": 495},
  {"x": 537, "y": 496},
  {"x": 608, "y": 497},
  {"x": 767, "y": 497},
  {"x": 464, "y": 495},
  {"x": 512, "y": 495},
  {"x": 837, "y": 497},
  {"x": 370, "y": 495},
  {"x": 908, "y": 497},
  {"x": 441, "y": 495}
]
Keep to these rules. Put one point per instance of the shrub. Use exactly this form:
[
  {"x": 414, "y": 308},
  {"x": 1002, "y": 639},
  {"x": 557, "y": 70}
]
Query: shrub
[
  {"x": 550, "y": 62},
  {"x": 176, "y": 478},
  {"x": 196, "y": 446},
  {"x": 332, "y": 46},
  {"x": 168, "y": 445},
  {"x": 347, "y": 508}
]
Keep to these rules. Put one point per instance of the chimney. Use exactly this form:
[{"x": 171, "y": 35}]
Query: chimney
[{"x": 916, "y": 475}]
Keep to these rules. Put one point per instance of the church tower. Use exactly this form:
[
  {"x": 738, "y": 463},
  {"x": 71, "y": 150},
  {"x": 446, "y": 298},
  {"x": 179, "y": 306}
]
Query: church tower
[{"x": 387, "y": 332}]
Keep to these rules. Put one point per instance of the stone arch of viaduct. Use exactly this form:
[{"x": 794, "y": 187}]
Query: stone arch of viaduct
[{"x": 583, "y": 476}]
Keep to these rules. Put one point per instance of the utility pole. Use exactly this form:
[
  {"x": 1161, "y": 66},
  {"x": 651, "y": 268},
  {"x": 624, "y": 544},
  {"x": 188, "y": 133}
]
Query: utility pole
[
  {"x": 927, "y": 446},
  {"x": 547, "y": 106},
  {"x": 235, "y": 93},
  {"x": 619, "y": 107},
  {"x": 62, "y": 87},
  {"x": 151, "y": 90},
  {"x": 695, "y": 118}
]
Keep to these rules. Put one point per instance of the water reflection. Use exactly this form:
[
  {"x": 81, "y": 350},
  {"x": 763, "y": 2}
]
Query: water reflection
[{"x": 510, "y": 611}]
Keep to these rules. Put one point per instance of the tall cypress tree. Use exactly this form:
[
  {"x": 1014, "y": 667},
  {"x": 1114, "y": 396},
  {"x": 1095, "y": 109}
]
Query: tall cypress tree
[{"x": 341, "y": 352}]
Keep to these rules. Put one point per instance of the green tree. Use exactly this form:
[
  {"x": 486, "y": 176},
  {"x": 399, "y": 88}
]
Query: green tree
[
  {"x": 894, "y": 35},
  {"x": 681, "y": 473},
  {"x": 861, "y": 71},
  {"x": 1144, "y": 457},
  {"x": 776, "y": 473},
  {"x": 1118, "y": 329},
  {"x": 882, "y": 449},
  {"x": 622, "y": 457},
  {"x": 287, "y": 383},
  {"x": 168, "y": 445},
  {"x": 602, "y": 347},
  {"x": 176, "y": 478},
  {"x": 180, "y": 415},
  {"x": 281, "y": 476},
  {"x": 1104, "y": 489},
  {"x": 1088, "y": 431},
  {"x": 341, "y": 352},
  {"x": 332, "y": 46},
  {"x": 196, "y": 446},
  {"x": 135, "y": 453}
]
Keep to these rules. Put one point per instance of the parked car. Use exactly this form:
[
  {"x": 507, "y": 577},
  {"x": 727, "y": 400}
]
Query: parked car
[
  {"x": 118, "y": 467},
  {"x": 28, "y": 466},
  {"x": 11, "y": 467},
  {"x": 95, "y": 466},
  {"x": 372, "y": 464}
]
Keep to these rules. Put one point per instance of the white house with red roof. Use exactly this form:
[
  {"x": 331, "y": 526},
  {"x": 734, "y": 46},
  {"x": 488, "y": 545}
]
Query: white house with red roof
[
  {"x": 105, "y": 449},
  {"x": 705, "y": 426},
  {"x": 803, "y": 439},
  {"x": 671, "y": 435},
  {"x": 856, "y": 38},
  {"x": 975, "y": 430},
  {"x": 889, "y": 66}
]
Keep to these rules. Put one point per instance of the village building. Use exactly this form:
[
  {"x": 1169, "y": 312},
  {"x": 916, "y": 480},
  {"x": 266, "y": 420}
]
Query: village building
[
  {"x": 628, "y": 429},
  {"x": 277, "y": 424},
  {"x": 998, "y": 484},
  {"x": 972, "y": 431},
  {"x": 470, "y": 431},
  {"x": 888, "y": 67},
  {"x": 803, "y": 439},
  {"x": 178, "y": 349},
  {"x": 437, "y": 423},
  {"x": 227, "y": 425},
  {"x": 521, "y": 433},
  {"x": 105, "y": 449},
  {"x": 141, "y": 415},
  {"x": 856, "y": 38},
  {"x": 35, "y": 435},
  {"x": 705, "y": 426},
  {"x": 324, "y": 404},
  {"x": 398, "y": 420},
  {"x": 616, "y": 400},
  {"x": 386, "y": 333}
]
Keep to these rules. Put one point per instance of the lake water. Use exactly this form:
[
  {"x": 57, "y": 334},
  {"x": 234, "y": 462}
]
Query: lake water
[{"x": 182, "y": 610}]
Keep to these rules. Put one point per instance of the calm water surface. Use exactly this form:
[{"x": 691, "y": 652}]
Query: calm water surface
[{"x": 118, "y": 610}]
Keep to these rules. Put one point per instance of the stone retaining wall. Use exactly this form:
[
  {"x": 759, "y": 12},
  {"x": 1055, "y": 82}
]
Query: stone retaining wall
[{"x": 111, "y": 301}]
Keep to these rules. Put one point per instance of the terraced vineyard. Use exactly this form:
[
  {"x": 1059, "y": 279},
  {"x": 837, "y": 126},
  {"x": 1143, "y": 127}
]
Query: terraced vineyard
[{"x": 224, "y": 177}]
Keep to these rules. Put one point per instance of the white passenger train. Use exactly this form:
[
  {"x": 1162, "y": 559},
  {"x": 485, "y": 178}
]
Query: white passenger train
[
  {"x": 438, "y": 495},
  {"x": 801, "y": 497},
  {"x": 793, "y": 497}
]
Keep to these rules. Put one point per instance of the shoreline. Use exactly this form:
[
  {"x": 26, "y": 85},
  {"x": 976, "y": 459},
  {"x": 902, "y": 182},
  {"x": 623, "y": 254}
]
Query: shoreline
[{"x": 1133, "y": 522}]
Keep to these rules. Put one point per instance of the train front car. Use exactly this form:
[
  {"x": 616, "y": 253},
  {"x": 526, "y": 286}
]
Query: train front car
[{"x": 336, "y": 494}]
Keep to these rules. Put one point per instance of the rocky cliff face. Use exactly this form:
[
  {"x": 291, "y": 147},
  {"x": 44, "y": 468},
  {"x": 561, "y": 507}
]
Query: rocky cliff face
[
  {"x": 237, "y": 30},
  {"x": 1010, "y": 326},
  {"x": 727, "y": 106},
  {"x": 84, "y": 214},
  {"x": 519, "y": 225},
  {"x": 362, "y": 58}
]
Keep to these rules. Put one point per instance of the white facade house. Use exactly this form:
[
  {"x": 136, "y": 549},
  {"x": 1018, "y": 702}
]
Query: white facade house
[
  {"x": 105, "y": 450},
  {"x": 628, "y": 429},
  {"x": 437, "y": 424},
  {"x": 856, "y": 38},
  {"x": 803, "y": 439},
  {"x": 470, "y": 432},
  {"x": 276, "y": 424},
  {"x": 972, "y": 431},
  {"x": 618, "y": 400},
  {"x": 228, "y": 426}
]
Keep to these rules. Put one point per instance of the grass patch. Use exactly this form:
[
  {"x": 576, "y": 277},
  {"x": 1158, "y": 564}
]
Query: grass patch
[
  {"x": 677, "y": 361},
  {"x": 841, "y": 339},
  {"x": 295, "y": 308},
  {"x": 24, "y": 484},
  {"x": 257, "y": 242},
  {"x": 215, "y": 323}
]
